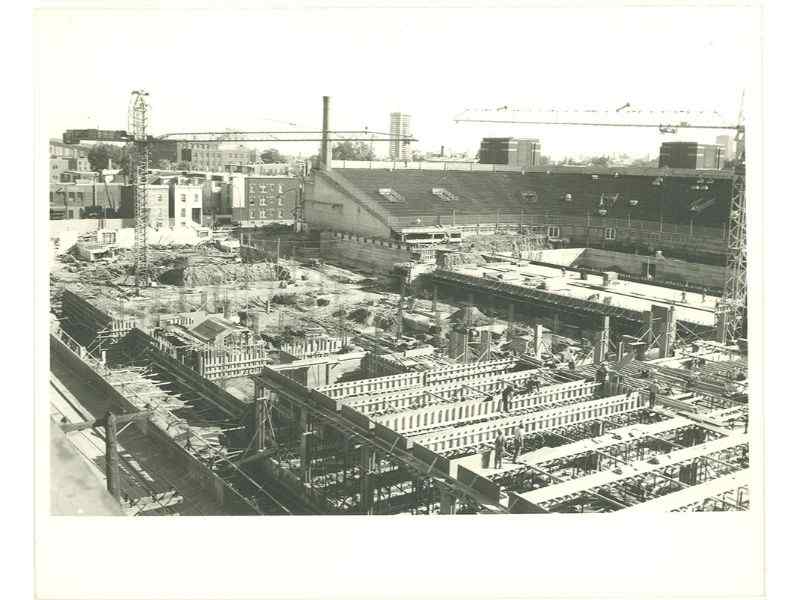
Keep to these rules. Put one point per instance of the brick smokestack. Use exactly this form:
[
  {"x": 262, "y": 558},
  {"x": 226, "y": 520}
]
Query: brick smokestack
[{"x": 325, "y": 150}]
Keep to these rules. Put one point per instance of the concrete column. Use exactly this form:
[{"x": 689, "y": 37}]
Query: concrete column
[
  {"x": 601, "y": 341},
  {"x": 367, "y": 486},
  {"x": 486, "y": 345},
  {"x": 448, "y": 503},
  {"x": 112, "y": 456},
  {"x": 647, "y": 319},
  {"x": 613, "y": 385},
  {"x": 538, "y": 340}
]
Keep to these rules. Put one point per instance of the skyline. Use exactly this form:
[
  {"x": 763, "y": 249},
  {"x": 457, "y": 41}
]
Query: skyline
[{"x": 526, "y": 56}]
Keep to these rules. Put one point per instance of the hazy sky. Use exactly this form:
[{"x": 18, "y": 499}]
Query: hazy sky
[{"x": 249, "y": 70}]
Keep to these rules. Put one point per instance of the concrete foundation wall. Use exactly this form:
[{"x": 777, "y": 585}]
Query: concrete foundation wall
[
  {"x": 363, "y": 253},
  {"x": 559, "y": 256},
  {"x": 331, "y": 207},
  {"x": 668, "y": 269},
  {"x": 226, "y": 498}
]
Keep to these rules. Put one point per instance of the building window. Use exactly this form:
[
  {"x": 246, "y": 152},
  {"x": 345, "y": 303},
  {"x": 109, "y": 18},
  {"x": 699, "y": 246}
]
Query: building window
[
  {"x": 610, "y": 233},
  {"x": 183, "y": 197},
  {"x": 553, "y": 231},
  {"x": 109, "y": 237},
  {"x": 196, "y": 198},
  {"x": 183, "y": 212},
  {"x": 71, "y": 196},
  {"x": 263, "y": 214},
  {"x": 252, "y": 214}
]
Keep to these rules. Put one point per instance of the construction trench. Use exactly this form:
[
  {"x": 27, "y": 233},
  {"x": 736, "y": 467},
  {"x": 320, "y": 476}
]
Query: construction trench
[{"x": 286, "y": 386}]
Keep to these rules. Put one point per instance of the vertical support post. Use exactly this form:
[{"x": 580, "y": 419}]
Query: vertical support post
[
  {"x": 647, "y": 318},
  {"x": 112, "y": 456},
  {"x": 260, "y": 416},
  {"x": 434, "y": 302},
  {"x": 538, "y": 340},
  {"x": 601, "y": 341},
  {"x": 367, "y": 488},
  {"x": 485, "y": 346},
  {"x": 510, "y": 330},
  {"x": 448, "y": 503},
  {"x": 668, "y": 338}
]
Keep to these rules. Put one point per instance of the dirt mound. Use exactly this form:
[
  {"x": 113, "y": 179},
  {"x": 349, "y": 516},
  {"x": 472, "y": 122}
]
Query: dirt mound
[{"x": 220, "y": 274}]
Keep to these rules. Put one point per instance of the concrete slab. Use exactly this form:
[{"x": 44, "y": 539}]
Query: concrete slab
[
  {"x": 75, "y": 489},
  {"x": 624, "y": 294}
]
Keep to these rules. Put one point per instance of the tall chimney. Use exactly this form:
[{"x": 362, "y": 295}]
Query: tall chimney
[{"x": 325, "y": 150}]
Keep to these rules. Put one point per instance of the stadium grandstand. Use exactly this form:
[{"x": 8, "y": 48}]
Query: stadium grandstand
[{"x": 637, "y": 207}]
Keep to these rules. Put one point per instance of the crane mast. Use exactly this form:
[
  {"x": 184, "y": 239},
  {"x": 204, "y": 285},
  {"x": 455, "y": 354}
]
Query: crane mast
[
  {"x": 732, "y": 314},
  {"x": 138, "y": 122},
  {"x": 141, "y": 141}
]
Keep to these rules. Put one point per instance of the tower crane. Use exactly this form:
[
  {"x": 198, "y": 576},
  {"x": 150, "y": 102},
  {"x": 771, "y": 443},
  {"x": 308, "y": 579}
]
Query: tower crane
[
  {"x": 732, "y": 309},
  {"x": 138, "y": 134}
]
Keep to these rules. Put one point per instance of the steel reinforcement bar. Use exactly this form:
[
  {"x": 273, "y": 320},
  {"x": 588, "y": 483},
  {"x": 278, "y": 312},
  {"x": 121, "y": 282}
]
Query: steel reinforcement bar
[
  {"x": 381, "y": 385},
  {"x": 465, "y": 387},
  {"x": 455, "y": 438},
  {"x": 442, "y": 414},
  {"x": 418, "y": 459}
]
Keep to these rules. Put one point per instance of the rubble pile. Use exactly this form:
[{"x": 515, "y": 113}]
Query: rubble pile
[
  {"x": 224, "y": 273},
  {"x": 454, "y": 259}
]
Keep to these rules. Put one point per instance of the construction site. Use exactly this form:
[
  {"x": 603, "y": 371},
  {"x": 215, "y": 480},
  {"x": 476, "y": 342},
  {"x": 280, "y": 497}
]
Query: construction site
[{"x": 424, "y": 338}]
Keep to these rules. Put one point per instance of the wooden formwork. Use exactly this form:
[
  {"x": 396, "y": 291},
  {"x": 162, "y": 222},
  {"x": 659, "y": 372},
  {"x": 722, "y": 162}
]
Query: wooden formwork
[
  {"x": 455, "y": 438},
  {"x": 400, "y": 381},
  {"x": 442, "y": 414},
  {"x": 218, "y": 364}
]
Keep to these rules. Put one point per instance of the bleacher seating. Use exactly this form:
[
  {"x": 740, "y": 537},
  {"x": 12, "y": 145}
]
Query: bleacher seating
[{"x": 639, "y": 197}]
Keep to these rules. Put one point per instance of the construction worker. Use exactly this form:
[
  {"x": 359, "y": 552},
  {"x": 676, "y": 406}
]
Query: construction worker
[
  {"x": 683, "y": 297},
  {"x": 703, "y": 299},
  {"x": 499, "y": 448},
  {"x": 602, "y": 373},
  {"x": 508, "y": 394},
  {"x": 653, "y": 393},
  {"x": 518, "y": 436}
]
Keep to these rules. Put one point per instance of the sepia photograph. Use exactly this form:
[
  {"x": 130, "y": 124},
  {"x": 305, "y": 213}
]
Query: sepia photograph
[{"x": 376, "y": 261}]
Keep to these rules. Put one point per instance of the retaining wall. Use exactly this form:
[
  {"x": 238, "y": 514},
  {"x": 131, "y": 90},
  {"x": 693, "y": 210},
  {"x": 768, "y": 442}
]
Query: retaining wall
[
  {"x": 372, "y": 254},
  {"x": 226, "y": 496}
]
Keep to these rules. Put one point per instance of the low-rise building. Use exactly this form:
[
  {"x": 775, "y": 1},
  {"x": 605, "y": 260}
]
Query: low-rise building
[
  {"x": 186, "y": 201},
  {"x": 261, "y": 200},
  {"x": 156, "y": 205},
  {"x": 205, "y": 156},
  {"x": 65, "y": 157},
  {"x": 88, "y": 200}
]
